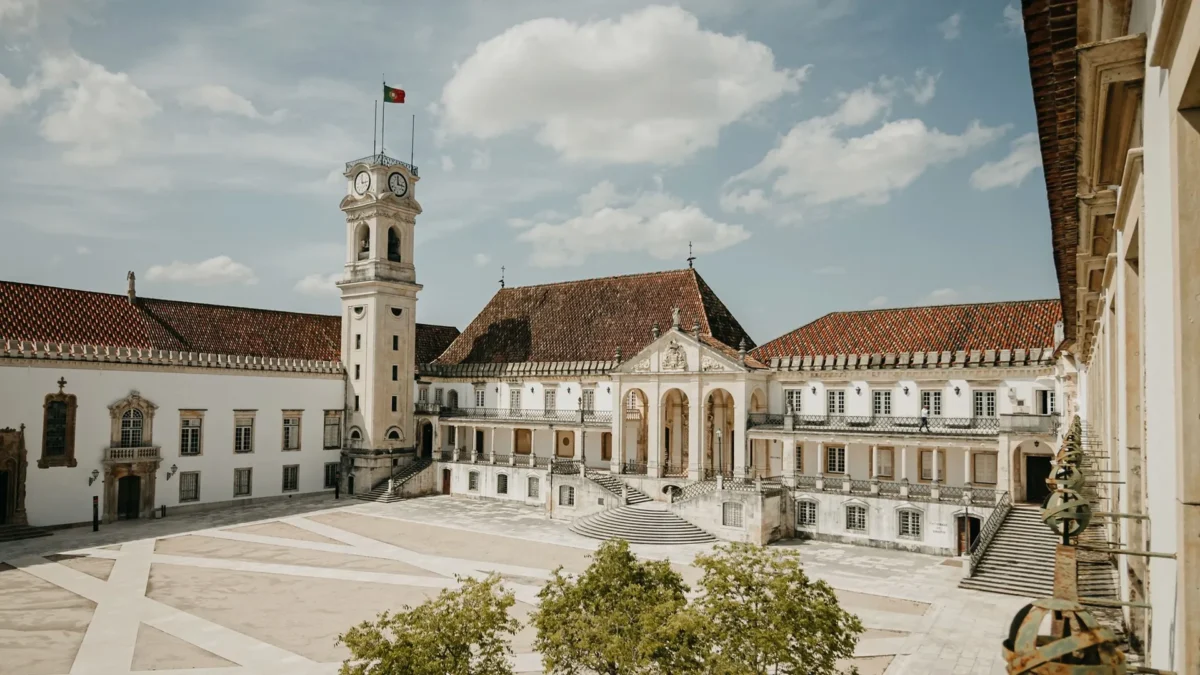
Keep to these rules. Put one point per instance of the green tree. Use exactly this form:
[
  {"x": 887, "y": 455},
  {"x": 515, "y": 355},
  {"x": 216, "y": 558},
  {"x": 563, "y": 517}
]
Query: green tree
[
  {"x": 761, "y": 615},
  {"x": 465, "y": 631},
  {"x": 622, "y": 616}
]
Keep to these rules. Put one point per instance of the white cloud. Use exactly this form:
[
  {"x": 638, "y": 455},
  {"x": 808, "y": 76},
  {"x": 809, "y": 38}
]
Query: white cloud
[
  {"x": 1024, "y": 157},
  {"x": 951, "y": 28},
  {"x": 924, "y": 88},
  {"x": 447, "y": 163},
  {"x": 13, "y": 97},
  {"x": 815, "y": 164},
  {"x": 482, "y": 259},
  {"x": 609, "y": 222},
  {"x": 19, "y": 15},
  {"x": 318, "y": 285},
  {"x": 1013, "y": 19},
  {"x": 943, "y": 296},
  {"x": 100, "y": 115},
  {"x": 830, "y": 270},
  {"x": 219, "y": 270},
  {"x": 877, "y": 302},
  {"x": 651, "y": 86},
  {"x": 222, "y": 100},
  {"x": 480, "y": 159}
]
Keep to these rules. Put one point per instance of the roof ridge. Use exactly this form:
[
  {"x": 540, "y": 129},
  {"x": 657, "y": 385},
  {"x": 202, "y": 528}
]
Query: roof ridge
[
  {"x": 947, "y": 304},
  {"x": 696, "y": 281},
  {"x": 580, "y": 281}
]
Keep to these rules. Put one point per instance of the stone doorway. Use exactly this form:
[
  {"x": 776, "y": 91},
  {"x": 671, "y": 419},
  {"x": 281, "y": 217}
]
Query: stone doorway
[
  {"x": 13, "y": 468},
  {"x": 129, "y": 497},
  {"x": 968, "y": 532},
  {"x": 427, "y": 440},
  {"x": 1037, "y": 470},
  {"x": 125, "y": 498}
]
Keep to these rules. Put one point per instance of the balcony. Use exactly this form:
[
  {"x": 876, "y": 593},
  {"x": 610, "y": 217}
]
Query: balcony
[
  {"x": 148, "y": 453},
  {"x": 1029, "y": 424},
  {"x": 876, "y": 424},
  {"x": 591, "y": 418},
  {"x": 897, "y": 490},
  {"x": 381, "y": 159}
]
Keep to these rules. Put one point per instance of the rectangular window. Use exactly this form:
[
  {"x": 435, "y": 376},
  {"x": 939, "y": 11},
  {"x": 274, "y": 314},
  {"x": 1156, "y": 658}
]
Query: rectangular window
[
  {"x": 856, "y": 518},
  {"x": 423, "y": 394},
  {"x": 886, "y": 463},
  {"x": 837, "y": 402},
  {"x": 925, "y": 462},
  {"x": 473, "y": 481},
  {"x": 799, "y": 458},
  {"x": 395, "y": 373},
  {"x": 731, "y": 514},
  {"x": 189, "y": 486},
  {"x": 291, "y": 432},
  {"x": 910, "y": 524},
  {"x": 502, "y": 484},
  {"x": 189, "y": 433},
  {"x": 243, "y": 433},
  {"x": 983, "y": 471},
  {"x": 550, "y": 397},
  {"x": 514, "y": 398},
  {"x": 356, "y": 402},
  {"x": 1045, "y": 402},
  {"x": 358, "y": 340},
  {"x": 566, "y": 495},
  {"x": 985, "y": 404},
  {"x": 932, "y": 401},
  {"x": 606, "y": 446},
  {"x": 450, "y": 434},
  {"x": 792, "y": 399},
  {"x": 357, "y": 371},
  {"x": 242, "y": 482},
  {"x": 394, "y": 403},
  {"x": 881, "y": 403},
  {"x": 806, "y": 514},
  {"x": 437, "y": 396},
  {"x": 835, "y": 460},
  {"x": 479, "y": 397},
  {"x": 333, "y": 429},
  {"x": 534, "y": 487},
  {"x": 587, "y": 401},
  {"x": 331, "y": 474},
  {"x": 395, "y": 343},
  {"x": 291, "y": 478}
]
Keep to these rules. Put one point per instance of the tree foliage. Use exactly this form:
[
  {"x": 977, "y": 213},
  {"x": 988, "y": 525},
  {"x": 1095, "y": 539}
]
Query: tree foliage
[
  {"x": 620, "y": 617},
  {"x": 763, "y": 615},
  {"x": 465, "y": 631}
]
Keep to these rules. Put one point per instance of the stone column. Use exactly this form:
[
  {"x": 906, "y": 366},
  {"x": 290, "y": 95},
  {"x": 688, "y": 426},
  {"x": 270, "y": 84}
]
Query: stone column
[
  {"x": 937, "y": 465},
  {"x": 579, "y": 444},
  {"x": 821, "y": 461},
  {"x": 618, "y": 432},
  {"x": 493, "y": 444},
  {"x": 789, "y": 457},
  {"x": 695, "y": 434},
  {"x": 874, "y": 461},
  {"x": 653, "y": 431},
  {"x": 739, "y": 443},
  {"x": 903, "y": 462},
  {"x": 967, "y": 465}
]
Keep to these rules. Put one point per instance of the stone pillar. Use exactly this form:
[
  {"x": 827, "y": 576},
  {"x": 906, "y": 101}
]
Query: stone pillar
[
  {"x": 618, "y": 433},
  {"x": 739, "y": 443},
  {"x": 967, "y": 466},
  {"x": 695, "y": 433},
  {"x": 821, "y": 460},
  {"x": 874, "y": 461},
  {"x": 937, "y": 465},
  {"x": 904, "y": 462},
  {"x": 789, "y": 457},
  {"x": 578, "y": 444},
  {"x": 653, "y": 432}
]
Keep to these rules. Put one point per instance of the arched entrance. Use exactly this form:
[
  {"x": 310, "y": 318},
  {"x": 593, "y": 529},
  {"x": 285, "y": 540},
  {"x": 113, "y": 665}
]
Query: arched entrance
[
  {"x": 427, "y": 440},
  {"x": 634, "y": 444},
  {"x": 718, "y": 432},
  {"x": 967, "y": 531},
  {"x": 674, "y": 450},
  {"x": 766, "y": 457},
  {"x": 1031, "y": 466}
]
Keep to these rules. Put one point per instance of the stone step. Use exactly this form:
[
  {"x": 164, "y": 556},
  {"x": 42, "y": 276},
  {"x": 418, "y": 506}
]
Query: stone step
[
  {"x": 650, "y": 524},
  {"x": 380, "y": 492},
  {"x": 18, "y": 532}
]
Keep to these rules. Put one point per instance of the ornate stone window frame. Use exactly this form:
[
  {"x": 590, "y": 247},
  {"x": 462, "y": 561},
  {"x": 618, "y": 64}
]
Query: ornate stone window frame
[
  {"x": 66, "y": 459},
  {"x": 133, "y": 401}
]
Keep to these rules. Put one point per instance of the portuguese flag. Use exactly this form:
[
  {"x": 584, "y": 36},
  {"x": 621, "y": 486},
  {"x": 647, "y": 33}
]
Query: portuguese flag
[{"x": 392, "y": 95}]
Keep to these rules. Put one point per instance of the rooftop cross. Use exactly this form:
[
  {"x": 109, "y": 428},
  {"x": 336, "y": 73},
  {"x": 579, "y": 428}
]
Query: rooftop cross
[
  {"x": 502, "y": 276},
  {"x": 691, "y": 258}
]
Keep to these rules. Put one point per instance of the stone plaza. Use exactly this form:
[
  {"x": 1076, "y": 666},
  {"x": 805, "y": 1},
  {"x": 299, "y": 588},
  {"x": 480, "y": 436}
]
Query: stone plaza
[{"x": 267, "y": 589}]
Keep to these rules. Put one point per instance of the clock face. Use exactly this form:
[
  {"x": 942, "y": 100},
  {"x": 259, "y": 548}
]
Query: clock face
[
  {"x": 398, "y": 184},
  {"x": 362, "y": 182}
]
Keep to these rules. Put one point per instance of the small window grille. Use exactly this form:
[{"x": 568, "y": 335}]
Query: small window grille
[{"x": 731, "y": 514}]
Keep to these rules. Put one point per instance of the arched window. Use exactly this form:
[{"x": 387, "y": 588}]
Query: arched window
[
  {"x": 58, "y": 431},
  {"x": 131, "y": 429},
  {"x": 452, "y": 399},
  {"x": 806, "y": 513},
  {"x": 731, "y": 514},
  {"x": 394, "y": 435},
  {"x": 502, "y": 484},
  {"x": 355, "y": 434},
  {"x": 363, "y": 238},
  {"x": 534, "y": 488},
  {"x": 393, "y": 249},
  {"x": 908, "y": 523}
]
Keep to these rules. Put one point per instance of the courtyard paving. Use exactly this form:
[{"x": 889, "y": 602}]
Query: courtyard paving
[{"x": 267, "y": 589}]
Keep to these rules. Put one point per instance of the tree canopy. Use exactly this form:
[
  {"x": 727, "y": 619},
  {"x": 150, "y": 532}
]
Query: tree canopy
[{"x": 465, "y": 631}]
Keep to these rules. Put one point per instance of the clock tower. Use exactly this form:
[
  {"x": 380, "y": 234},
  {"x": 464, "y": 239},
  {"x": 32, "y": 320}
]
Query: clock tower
[{"x": 379, "y": 301}]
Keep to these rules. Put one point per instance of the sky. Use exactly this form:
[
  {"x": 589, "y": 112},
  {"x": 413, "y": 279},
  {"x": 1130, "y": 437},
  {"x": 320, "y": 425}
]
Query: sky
[{"x": 819, "y": 155}]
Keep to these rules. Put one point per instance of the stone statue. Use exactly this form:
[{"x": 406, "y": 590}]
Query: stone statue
[{"x": 675, "y": 317}]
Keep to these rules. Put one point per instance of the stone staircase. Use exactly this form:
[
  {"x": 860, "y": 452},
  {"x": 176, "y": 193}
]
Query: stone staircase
[
  {"x": 17, "y": 532},
  {"x": 382, "y": 494},
  {"x": 646, "y": 523},
  {"x": 1020, "y": 558},
  {"x": 617, "y": 487}
]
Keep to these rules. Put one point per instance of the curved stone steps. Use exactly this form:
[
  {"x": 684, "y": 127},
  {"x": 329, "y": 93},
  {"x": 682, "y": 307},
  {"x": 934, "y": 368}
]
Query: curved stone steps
[{"x": 642, "y": 524}]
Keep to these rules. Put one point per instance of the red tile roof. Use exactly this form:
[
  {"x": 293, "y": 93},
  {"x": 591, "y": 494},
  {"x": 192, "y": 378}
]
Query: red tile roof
[
  {"x": 51, "y": 314},
  {"x": 588, "y": 320},
  {"x": 1024, "y": 324}
]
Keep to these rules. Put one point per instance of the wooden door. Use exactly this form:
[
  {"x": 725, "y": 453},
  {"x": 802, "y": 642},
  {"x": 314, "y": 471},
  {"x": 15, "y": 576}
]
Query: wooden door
[
  {"x": 129, "y": 497},
  {"x": 445, "y": 481}
]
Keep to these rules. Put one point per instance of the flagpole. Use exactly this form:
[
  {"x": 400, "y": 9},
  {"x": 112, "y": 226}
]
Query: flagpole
[
  {"x": 375, "y": 128},
  {"x": 383, "y": 127},
  {"x": 411, "y": 136}
]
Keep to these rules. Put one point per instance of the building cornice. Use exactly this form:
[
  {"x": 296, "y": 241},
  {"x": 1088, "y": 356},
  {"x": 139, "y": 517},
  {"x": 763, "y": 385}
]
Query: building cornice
[
  {"x": 554, "y": 369},
  {"x": 976, "y": 358},
  {"x": 20, "y": 352}
]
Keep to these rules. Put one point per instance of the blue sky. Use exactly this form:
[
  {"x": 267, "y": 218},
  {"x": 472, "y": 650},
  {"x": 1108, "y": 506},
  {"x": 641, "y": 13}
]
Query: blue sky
[{"x": 823, "y": 155}]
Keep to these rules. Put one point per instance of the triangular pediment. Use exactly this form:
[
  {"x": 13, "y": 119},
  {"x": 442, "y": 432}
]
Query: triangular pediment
[{"x": 677, "y": 352}]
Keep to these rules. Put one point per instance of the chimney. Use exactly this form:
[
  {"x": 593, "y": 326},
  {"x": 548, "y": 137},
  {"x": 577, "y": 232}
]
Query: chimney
[{"x": 132, "y": 292}]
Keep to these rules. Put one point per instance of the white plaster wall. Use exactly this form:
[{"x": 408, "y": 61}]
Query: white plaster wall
[
  {"x": 61, "y": 495},
  {"x": 518, "y": 486},
  {"x": 937, "y": 535}
]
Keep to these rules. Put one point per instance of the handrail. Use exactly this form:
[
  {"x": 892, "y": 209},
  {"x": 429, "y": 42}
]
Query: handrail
[
  {"x": 695, "y": 489},
  {"x": 594, "y": 417},
  {"x": 565, "y": 467},
  {"x": 946, "y": 426},
  {"x": 989, "y": 530}
]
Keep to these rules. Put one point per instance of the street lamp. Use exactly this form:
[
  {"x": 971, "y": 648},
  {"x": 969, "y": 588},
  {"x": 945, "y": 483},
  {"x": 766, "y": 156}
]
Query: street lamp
[{"x": 93, "y": 477}]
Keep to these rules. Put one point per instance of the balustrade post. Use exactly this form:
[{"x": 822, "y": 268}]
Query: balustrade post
[
  {"x": 967, "y": 495},
  {"x": 904, "y": 488},
  {"x": 935, "y": 491},
  {"x": 874, "y": 485},
  {"x": 720, "y": 482},
  {"x": 512, "y": 459},
  {"x": 846, "y": 484},
  {"x": 819, "y": 483},
  {"x": 454, "y": 454}
]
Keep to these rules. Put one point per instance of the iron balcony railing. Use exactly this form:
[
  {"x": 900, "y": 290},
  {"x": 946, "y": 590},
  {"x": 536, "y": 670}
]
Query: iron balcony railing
[
  {"x": 878, "y": 424},
  {"x": 382, "y": 160},
  {"x": 916, "y": 492},
  {"x": 536, "y": 416},
  {"x": 633, "y": 468},
  {"x": 427, "y": 408}
]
